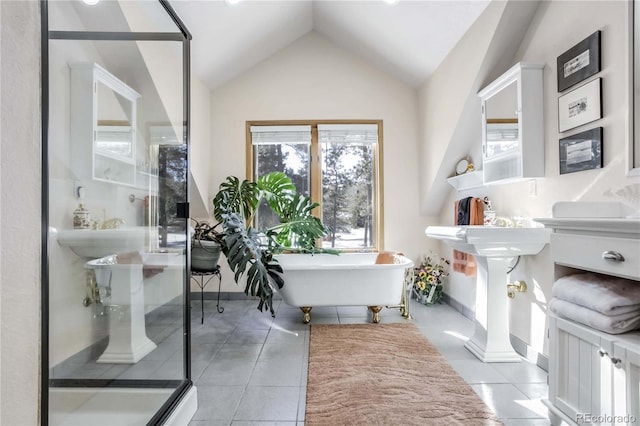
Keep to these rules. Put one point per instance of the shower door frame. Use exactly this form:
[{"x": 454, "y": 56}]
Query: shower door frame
[{"x": 183, "y": 36}]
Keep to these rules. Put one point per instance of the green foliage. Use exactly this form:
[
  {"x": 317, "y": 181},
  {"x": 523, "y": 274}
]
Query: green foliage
[
  {"x": 243, "y": 249},
  {"x": 276, "y": 189},
  {"x": 251, "y": 251},
  {"x": 236, "y": 196},
  {"x": 298, "y": 228}
]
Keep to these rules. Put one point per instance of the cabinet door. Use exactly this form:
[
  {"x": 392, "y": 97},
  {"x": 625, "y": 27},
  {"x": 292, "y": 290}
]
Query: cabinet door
[
  {"x": 512, "y": 125},
  {"x": 582, "y": 380},
  {"x": 626, "y": 383}
]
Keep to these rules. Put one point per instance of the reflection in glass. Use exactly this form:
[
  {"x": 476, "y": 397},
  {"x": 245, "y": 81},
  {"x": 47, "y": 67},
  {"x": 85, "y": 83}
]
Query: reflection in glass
[
  {"x": 502, "y": 139},
  {"x": 116, "y": 310}
]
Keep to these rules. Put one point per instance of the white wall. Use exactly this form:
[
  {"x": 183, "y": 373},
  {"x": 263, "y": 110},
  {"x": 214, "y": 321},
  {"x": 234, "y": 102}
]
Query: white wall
[
  {"x": 20, "y": 213},
  {"x": 200, "y": 149},
  {"x": 556, "y": 27},
  {"x": 314, "y": 79}
]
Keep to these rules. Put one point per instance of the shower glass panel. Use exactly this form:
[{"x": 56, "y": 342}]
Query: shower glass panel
[{"x": 118, "y": 337}]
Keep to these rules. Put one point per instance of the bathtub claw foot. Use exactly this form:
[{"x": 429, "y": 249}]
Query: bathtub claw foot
[
  {"x": 306, "y": 318},
  {"x": 376, "y": 313}
]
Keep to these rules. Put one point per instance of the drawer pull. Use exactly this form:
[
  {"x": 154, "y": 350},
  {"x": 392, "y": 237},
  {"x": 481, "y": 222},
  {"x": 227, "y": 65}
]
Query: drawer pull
[
  {"x": 617, "y": 362},
  {"x": 602, "y": 353},
  {"x": 612, "y": 255}
]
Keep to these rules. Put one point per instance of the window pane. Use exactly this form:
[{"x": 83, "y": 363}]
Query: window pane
[
  {"x": 290, "y": 158},
  {"x": 347, "y": 194}
]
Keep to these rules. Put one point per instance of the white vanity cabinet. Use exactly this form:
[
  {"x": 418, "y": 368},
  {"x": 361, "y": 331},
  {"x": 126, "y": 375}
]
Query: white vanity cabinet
[
  {"x": 512, "y": 125},
  {"x": 626, "y": 357},
  {"x": 594, "y": 377},
  {"x": 103, "y": 125},
  {"x": 592, "y": 373}
]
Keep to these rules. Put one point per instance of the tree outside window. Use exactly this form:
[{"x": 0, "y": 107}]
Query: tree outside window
[{"x": 346, "y": 186}]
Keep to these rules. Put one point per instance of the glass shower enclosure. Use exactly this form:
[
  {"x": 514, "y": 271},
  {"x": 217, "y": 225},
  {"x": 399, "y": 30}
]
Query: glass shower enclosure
[{"x": 115, "y": 271}]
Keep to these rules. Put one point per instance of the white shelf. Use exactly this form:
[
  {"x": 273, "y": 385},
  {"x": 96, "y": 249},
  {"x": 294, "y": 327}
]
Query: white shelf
[{"x": 467, "y": 180}]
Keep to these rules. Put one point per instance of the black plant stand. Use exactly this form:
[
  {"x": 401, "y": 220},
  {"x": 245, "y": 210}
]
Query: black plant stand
[{"x": 202, "y": 278}]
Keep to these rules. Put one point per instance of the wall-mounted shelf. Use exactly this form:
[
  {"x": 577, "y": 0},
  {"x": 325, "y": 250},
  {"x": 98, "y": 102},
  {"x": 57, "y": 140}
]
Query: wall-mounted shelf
[{"x": 468, "y": 180}]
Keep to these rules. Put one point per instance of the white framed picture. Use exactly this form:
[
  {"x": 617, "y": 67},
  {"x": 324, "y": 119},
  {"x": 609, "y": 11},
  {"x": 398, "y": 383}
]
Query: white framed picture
[{"x": 580, "y": 106}]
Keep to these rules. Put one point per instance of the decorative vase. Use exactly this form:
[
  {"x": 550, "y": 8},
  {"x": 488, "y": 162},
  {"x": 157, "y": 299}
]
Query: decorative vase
[{"x": 434, "y": 294}]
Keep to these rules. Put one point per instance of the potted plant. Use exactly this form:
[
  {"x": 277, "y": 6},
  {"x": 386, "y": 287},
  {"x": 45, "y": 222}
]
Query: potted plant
[
  {"x": 429, "y": 278},
  {"x": 206, "y": 246},
  {"x": 250, "y": 250}
]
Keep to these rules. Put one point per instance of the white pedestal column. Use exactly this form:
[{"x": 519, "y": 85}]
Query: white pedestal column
[
  {"x": 128, "y": 341},
  {"x": 490, "y": 341}
]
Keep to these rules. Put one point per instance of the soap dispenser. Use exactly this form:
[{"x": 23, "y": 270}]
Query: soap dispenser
[{"x": 81, "y": 218}]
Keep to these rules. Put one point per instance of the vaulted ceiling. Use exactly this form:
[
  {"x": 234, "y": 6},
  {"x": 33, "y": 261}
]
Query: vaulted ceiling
[{"x": 407, "y": 39}]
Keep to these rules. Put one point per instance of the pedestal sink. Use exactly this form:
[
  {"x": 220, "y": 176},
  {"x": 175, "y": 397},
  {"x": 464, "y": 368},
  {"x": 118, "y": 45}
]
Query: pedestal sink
[
  {"x": 128, "y": 341},
  {"x": 97, "y": 243},
  {"x": 123, "y": 276},
  {"x": 493, "y": 249},
  {"x": 118, "y": 257}
]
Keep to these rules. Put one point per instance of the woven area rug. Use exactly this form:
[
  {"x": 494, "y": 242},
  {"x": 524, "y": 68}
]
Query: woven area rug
[{"x": 385, "y": 374}]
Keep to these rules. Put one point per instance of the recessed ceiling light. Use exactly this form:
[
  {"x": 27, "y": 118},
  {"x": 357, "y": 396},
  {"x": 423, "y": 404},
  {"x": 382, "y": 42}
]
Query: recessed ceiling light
[
  {"x": 231, "y": 2},
  {"x": 91, "y": 2},
  {"x": 391, "y": 1}
]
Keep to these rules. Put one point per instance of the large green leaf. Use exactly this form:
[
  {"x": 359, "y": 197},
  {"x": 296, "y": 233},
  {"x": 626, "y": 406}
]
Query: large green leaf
[
  {"x": 277, "y": 189},
  {"x": 245, "y": 254},
  {"x": 298, "y": 227},
  {"x": 236, "y": 196}
]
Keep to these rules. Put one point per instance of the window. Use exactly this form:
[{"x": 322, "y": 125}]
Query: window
[{"x": 336, "y": 163}]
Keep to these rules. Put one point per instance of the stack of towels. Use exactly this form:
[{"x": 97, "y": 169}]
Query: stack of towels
[{"x": 606, "y": 303}]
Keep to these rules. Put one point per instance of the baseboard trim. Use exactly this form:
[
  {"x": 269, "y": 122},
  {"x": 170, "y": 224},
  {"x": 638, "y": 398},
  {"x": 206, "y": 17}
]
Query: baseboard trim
[
  {"x": 519, "y": 345},
  {"x": 465, "y": 311}
]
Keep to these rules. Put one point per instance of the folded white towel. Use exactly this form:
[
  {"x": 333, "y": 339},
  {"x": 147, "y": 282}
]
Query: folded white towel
[
  {"x": 603, "y": 293},
  {"x": 612, "y": 324}
]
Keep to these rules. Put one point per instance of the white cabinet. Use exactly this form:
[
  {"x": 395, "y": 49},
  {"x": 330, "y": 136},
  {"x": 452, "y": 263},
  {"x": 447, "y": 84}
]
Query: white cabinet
[
  {"x": 594, "y": 377},
  {"x": 592, "y": 374},
  {"x": 512, "y": 125},
  {"x": 626, "y": 380},
  {"x": 103, "y": 125}
]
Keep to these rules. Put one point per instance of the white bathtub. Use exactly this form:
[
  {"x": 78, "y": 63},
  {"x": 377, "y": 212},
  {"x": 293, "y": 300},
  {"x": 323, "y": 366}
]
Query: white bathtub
[{"x": 348, "y": 279}]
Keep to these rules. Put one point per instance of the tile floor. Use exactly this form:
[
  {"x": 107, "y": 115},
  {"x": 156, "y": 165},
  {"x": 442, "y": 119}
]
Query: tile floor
[{"x": 251, "y": 369}]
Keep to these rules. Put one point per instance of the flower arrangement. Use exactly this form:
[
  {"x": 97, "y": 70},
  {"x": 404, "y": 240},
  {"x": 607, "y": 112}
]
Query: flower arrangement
[{"x": 428, "y": 278}]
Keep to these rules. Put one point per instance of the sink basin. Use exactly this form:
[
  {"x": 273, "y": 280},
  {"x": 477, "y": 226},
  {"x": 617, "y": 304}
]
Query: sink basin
[
  {"x": 493, "y": 249},
  {"x": 97, "y": 243},
  {"x": 492, "y": 241}
]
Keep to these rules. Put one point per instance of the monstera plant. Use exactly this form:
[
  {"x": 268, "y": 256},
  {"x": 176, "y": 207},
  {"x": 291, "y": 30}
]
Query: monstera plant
[{"x": 250, "y": 250}]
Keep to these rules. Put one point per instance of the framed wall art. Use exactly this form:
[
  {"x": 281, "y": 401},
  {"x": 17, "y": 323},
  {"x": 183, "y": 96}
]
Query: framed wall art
[
  {"x": 582, "y": 151},
  {"x": 579, "y": 62},
  {"x": 580, "y": 106}
]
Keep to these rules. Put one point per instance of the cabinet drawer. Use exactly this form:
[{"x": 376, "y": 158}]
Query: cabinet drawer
[{"x": 586, "y": 252}]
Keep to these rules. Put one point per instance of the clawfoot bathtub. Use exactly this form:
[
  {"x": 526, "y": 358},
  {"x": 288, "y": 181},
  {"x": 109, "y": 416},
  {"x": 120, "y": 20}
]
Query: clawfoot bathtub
[{"x": 348, "y": 279}]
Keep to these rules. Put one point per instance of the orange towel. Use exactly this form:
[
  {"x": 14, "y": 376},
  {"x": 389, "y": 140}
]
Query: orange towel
[
  {"x": 386, "y": 256},
  {"x": 463, "y": 262}
]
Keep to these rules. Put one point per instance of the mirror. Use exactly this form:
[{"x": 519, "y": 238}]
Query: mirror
[
  {"x": 634, "y": 41},
  {"x": 512, "y": 130},
  {"x": 114, "y": 133},
  {"x": 501, "y": 111}
]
